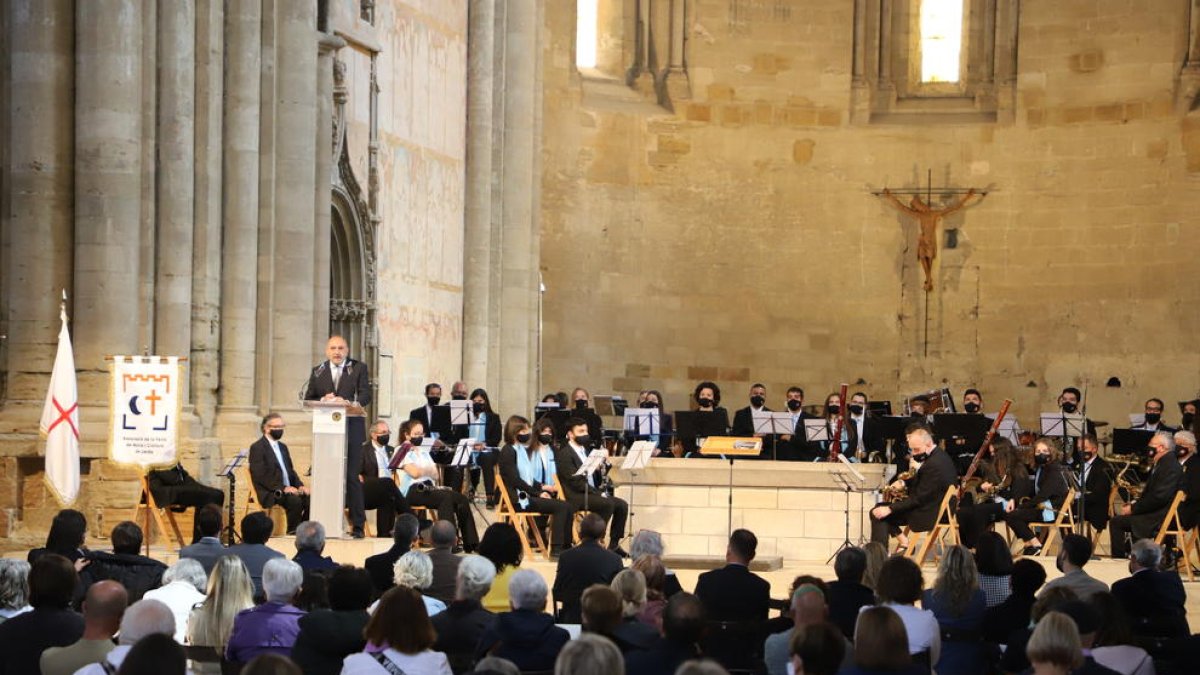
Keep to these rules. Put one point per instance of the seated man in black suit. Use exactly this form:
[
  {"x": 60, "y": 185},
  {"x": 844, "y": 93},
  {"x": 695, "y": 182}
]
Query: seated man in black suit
[
  {"x": 1097, "y": 484},
  {"x": 175, "y": 487},
  {"x": 1153, "y": 600},
  {"x": 1140, "y": 520},
  {"x": 206, "y": 551},
  {"x": 733, "y": 592},
  {"x": 925, "y": 490},
  {"x": 683, "y": 628},
  {"x": 404, "y": 536},
  {"x": 569, "y": 459},
  {"x": 380, "y": 491},
  {"x": 581, "y": 566},
  {"x": 847, "y": 595},
  {"x": 1185, "y": 451},
  {"x": 272, "y": 475},
  {"x": 743, "y": 419}
]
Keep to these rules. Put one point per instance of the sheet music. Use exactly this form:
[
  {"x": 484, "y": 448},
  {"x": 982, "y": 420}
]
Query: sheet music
[
  {"x": 816, "y": 430},
  {"x": 462, "y": 453},
  {"x": 766, "y": 422},
  {"x": 460, "y": 412},
  {"x": 642, "y": 421},
  {"x": 638, "y": 456},
  {"x": 1060, "y": 424},
  {"x": 234, "y": 463},
  {"x": 594, "y": 460},
  {"x": 1010, "y": 429}
]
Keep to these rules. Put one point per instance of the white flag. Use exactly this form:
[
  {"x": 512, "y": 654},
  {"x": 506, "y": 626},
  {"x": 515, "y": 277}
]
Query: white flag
[{"x": 60, "y": 423}]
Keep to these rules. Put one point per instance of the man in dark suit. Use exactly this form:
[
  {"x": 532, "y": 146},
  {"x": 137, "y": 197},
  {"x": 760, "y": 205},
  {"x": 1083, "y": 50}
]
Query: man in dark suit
[
  {"x": 1152, "y": 417},
  {"x": 794, "y": 446},
  {"x": 404, "y": 536},
  {"x": 424, "y": 414},
  {"x": 743, "y": 419},
  {"x": 380, "y": 491},
  {"x": 683, "y": 628},
  {"x": 867, "y": 427},
  {"x": 925, "y": 489},
  {"x": 310, "y": 544},
  {"x": 569, "y": 460},
  {"x": 1185, "y": 451},
  {"x": 1097, "y": 484},
  {"x": 1153, "y": 600},
  {"x": 444, "y": 537},
  {"x": 209, "y": 548},
  {"x": 175, "y": 487},
  {"x": 340, "y": 378},
  {"x": 253, "y": 551},
  {"x": 581, "y": 566},
  {"x": 1140, "y": 520},
  {"x": 733, "y": 592},
  {"x": 848, "y": 595},
  {"x": 272, "y": 475}
]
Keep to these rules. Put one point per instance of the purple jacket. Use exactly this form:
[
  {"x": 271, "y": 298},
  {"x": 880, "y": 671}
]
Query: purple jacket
[{"x": 271, "y": 627}]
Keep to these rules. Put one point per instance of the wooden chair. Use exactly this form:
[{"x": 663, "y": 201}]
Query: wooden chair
[
  {"x": 1063, "y": 523},
  {"x": 1185, "y": 539},
  {"x": 418, "y": 511},
  {"x": 1097, "y": 536},
  {"x": 161, "y": 516},
  {"x": 946, "y": 523},
  {"x": 579, "y": 514},
  {"x": 276, "y": 512},
  {"x": 506, "y": 512}
]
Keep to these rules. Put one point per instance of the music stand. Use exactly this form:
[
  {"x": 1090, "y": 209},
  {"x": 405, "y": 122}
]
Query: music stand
[
  {"x": 460, "y": 413},
  {"x": 730, "y": 447},
  {"x": 643, "y": 421},
  {"x": 816, "y": 430},
  {"x": 847, "y": 486},
  {"x": 638, "y": 457},
  {"x": 893, "y": 427},
  {"x": 1131, "y": 441},
  {"x": 591, "y": 464},
  {"x": 1011, "y": 430},
  {"x": 699, "y": 425},
  {"x": 230, "y": 471},
  {"x": 440, "y": 423},
  {"x": 770, "y": 423},
  {"x": 879, "y": 408}
]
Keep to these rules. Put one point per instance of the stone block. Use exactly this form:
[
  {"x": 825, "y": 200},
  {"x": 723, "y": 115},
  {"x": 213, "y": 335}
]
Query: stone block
[
  {"x": 662, "y": 520},
  {"x": 1035, "y": 117},
  {"x": 705, "y": 521},
  {"x": 698, "y": 112},
  {"x": 1088, "y": 61},
  {"x": 823, "y": 525},
  {"x": 765, "y": 64},
  {"x": 802, "y": 150},
  {"x": 764, "y": 113},
  {"x": 701, "y": 373},
  {"x": 682, "y": 495},
  {"x": 1077, "y": 114},
  {"x": 804, "y": 500},
  {"x": 829, "y": 118},
  {"x": 627, "y": 383},
  {"x": 747, "y": 498},
  {"x": 800, "y": 117},
  {"x": 734, "y": 374},
  {"x": 1111, "y": 112},
  {"x": 771, "y": 523},
  {"x": 732, "y": 115},
  {"x": 1157, "y": 149},
  {"x": 720, "y": 92},
  {"x": 685, "y": 544},
  {"x": 637, "y": 370},
  {"x": 661, "y": 159},
  {"x": 674, "y": 144}
]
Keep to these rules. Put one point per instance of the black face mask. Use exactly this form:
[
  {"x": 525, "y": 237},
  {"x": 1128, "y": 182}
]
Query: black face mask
[
  {"x": 545, "y": 439},
  {"x": 971, "y": 407},
  {"x": 856, "y": 409},
  {"x": 581, "y": 404},
  {"x": 917, "y": 413},
  {"x": 1153, "y": 418},
  {"x": 276, "y": 433},
  {"x": 1181, "y": 451},
  {"x": 583, "y": 441},
  {"x": 1069, "y": 407},
  {"x": 458, "y": 397},
  {"x": 1041, "y": 459},
  {"x": 524, "y": 439},
  {"x": 757, "y": 401},
  {"x": 1187, "y": 418},
  {"x": 833, "y": 409},
  {"x": 416, "y": 440},
  {"x": 919, "y": 456},
  {"x": 794, "y": 404},
  {"x": 649, "y": 404},
  {"x": 705, "y": 402},
  {"x": 477, "y": 407},
  {"x": 383, "y": 439},
  {"x": 433, "y": 400}
]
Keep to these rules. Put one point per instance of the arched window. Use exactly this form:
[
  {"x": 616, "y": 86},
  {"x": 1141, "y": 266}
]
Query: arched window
[
  {"x": 941, "y": 40},
  {"x": 586, "y": 34}
]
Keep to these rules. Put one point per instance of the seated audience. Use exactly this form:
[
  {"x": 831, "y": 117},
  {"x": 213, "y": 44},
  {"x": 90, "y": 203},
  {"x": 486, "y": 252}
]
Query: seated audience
[
  {"x": 654, "y": 573},
  {"x": 183, "y": 588},
  {"x": 14, "y": 588},
  {"x": 808, "y": 609},
  {"x": 1000, "y": 621},
  {"x": 1013, "y": 659},
  {"x": 465, "y": 619},
  {"x": 142, "y": 619},
  {"x": 1054, "y": 647},
  {"x": 229, "y": 592},
  {"x": 328, "y": 636},
  {"x": 630, "y": 633},
  {"x": 401, "y": 627},
  {"x": 649, "y": 542},
  {"x": 1153, "y": 599},
  {"x": 882, "y": 645},
  {"x": 848, "y": 595},
  {"x": 314, "y": 591},
  {"x": 526, "y": 635},
  {"x": 583, "y": 565},
  {"x": 414, "y": 570},
  {"x": 381, "y": 566},
  {"x": 271, "y": 664},
  {"x": 601, "y": 608},
  {"x": 899, "y": 588},
  {"x": 994, "y": 562},
  {"x": 733, "y": 592},
  {"x": 310, "y": 544},
  {"x": 591, "y": 654},
  {"x": 876, "y": 554},
  {"x": 272, "y": 626},
  {"x": 819, "y": 649},
  {"x": 683, "y": 628},
  {"x": 494, "y": 665},
  {"x": 65, "y": 538},
  {"x": 103, "y": 606},
  {"x": 253, "y": 551},
  {"x": 502, "y": 546},
  {"x": 959, "y": 605},
  {"x": 155, "y": 654},
  {"x": 51, "y": 623},
  {"x": 1113, "y": 646},
  {"x": 134, "y": 571},
  {"x": 444, "y": 537},
  {"x": 208, "y": 547},
  {"x": 1087, "y": 622},
  {"x": 1075, "y": 553}
]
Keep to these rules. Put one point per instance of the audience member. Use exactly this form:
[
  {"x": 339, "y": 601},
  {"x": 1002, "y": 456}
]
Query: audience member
[
  {"x": 1087, "y": 622},
  {"x": 272, "y": 626},
  {"x": 848, "y": 594},
  {"x": 993, "y": 561},
  {"x": 66, "y": 537},
  {"x": 1153, "y": 599},
  {"x": 701, "y": 667},
  {"x": 328, "y": 636},
  {"x": 136, "y": 572},
  {"x": 142, "y": 619},
  {"x": 1076, "y": 551},
  {"x": 1014, "y": 659},
  {"x": 819, "y": 649},
  {"x": 583, "y": 565},
  {"x": 877, "y": 553},
  {"x": 51, "y": 623},
  {"x": 208, "y": 547},
  {"x": 881, "y": 644},
  {"x": 464, "y": 621},
  {"x": 654, "y": 573},
  {"x": 959, "y": 605},
  {"x": 257, "y": 528},
  {"x": 733, "y": 592},
  {"x": 591, "y": 654},
  {"x": 271, "y": 664},
  {"x": 314, "y": 591},
  {"x": 14, "y": 588},
  {"x": 601, "y": 609},
  {"x": 494, "y": 665},
  {"x": 155, "y": 654},
  {"x": 502, "y": 546},
  {"x": 1000, "y": 621},
  {"x": 103, "y": 606},
  {"x": 526, "y": 635},
  {"x": 229, "y": 592},
  {"x": 414, "y": 570},
  {"x": 899, "y": 587},
  {"x": 1113, "y": 646},
  {"x": 183, "y": 588},
  {"x": 310, "y": 544},
  {"x": 381, "y": 566},
  {"x": 683, "y": 628},
  {"x": 444, "y": 537},
  {"x": 808, "y": 608},
  {"x": 1053, "y": 647},
  {"x": 649, "y": 542},
  {"x": 630, "y": 587}
]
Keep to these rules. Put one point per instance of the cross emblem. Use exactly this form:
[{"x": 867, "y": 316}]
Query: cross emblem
[{"x": 63, "y": 416}]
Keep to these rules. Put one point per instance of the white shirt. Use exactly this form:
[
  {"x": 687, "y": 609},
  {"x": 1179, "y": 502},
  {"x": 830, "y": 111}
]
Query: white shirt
[
  {"x": 419, "y": 456},
  {"x": 181, "y": 597},
  {"x": 279, "y": 458},
  {"x": 922, "y": 627},
  {"x": 427, "y": 662},
  {"x": 381, "y": 460},
  {"x": 858, "y": 426},
  {"x": 335, "y": 371}
]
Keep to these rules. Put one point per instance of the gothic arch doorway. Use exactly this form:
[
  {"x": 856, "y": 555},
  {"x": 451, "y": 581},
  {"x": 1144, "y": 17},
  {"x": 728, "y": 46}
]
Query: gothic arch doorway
[{"x": 352, "y": 269}]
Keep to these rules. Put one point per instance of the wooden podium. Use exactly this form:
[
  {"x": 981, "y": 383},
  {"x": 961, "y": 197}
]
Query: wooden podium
[{"x": 328, "y": 501}]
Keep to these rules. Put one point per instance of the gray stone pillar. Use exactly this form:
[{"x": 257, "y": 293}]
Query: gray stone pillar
[
  {"x": 239, "y": 262},
  {"x": 323, "y": 193},
  {"x": 38, "y": 213},
  {"x": 148, "y": 248},
  {"x": 108, "y": 180}
]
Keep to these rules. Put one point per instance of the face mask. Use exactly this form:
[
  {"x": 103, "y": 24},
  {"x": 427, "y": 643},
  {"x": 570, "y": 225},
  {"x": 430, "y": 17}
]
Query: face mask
[
  {"x": 581, "y": 404},
  {"x": 477, "y": 407},
  {"x": 416, "y": 440},
  {"x": 705, "y": 402},
  {"x": 834, "y": 409},
  {"x": 649, "y": 405},
  {"x": 383, "y": 439},
  {"x": 856, "y": 409},
  {"x": 433, "y": 400},
  {"x": 583, "y": 440},
  {"x": 919, "y": 456},
  {"x": 1153, "y": 418},
  {"x": 1187, "y": 419},
  {"x": 1181, "y": 451},
  {"x": 1068, "y": 407},
  {"x": 971, "y": 407},
  {"x": 459, "y": 397},
  {"x": 793, "y": 404},
  {"x": 524, "y": 439},
  {"x": 757, "y": 401},
  {"x": 917, "y": 413},
  {"x": 276, "y": 433},
  {"x": 1041, "y": 459},
  {"x": 546, "y": 439}
]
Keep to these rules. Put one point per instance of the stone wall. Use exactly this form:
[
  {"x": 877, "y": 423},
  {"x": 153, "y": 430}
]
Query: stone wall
[{"x": 736, "y": 238}]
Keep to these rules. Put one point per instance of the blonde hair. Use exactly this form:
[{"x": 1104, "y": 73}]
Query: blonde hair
[
  {"x": 876, "y": 555},
  {"x": 957, "y": 579},
  {"x": 1055, "y": 640},
  {"x": 630, "y": 584},
  {"x": 229, "y": 592}
]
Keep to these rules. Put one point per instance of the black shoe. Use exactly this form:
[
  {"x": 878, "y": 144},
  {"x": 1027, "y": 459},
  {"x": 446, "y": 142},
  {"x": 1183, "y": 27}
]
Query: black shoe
[
  {"x": 457, "y": 550},
  {"x": 619, "y": 551},
  {"x": 1031, "y": 550},
  {"x": 357, "y": 533},
  {"x": 490, "y": 505}
]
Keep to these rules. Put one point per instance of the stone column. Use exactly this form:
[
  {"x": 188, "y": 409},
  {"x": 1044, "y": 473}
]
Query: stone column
[
  {"x": 295, "y": 183},
  {"x": 148, "y": 249},
  {"x": 323, "y": 192},
  {"x": 108, "y": 182},
  {"x": 677, "y": 85},
  {"x": 239, "y": 260},
  {"x": 38, "y": 213}
]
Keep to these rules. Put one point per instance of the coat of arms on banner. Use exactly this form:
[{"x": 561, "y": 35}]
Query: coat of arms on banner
[{"x": 145, "y": 410}]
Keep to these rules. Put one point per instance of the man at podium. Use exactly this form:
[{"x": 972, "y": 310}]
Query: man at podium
[{"x": 340, "y": 378}]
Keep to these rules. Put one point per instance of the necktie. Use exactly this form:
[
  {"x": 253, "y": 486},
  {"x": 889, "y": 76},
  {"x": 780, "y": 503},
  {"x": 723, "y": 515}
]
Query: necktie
[{"x": 337, "y": 375}]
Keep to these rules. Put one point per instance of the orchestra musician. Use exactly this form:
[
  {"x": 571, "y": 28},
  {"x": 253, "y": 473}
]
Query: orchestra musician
[
  {"x": 926, "y": 488},
  {"x": 585, "y": 493},
  {"x": 1152, "y": 417},
  {"x": 920, "y": 409},
  {"x": 1142, "y": 518},
  {"x": 485, "y": 428},
  {"x": 1004, "y": 481},
  {"x": 743, "y": 420},
  {"x": 866, "y": 427},
  {"x": 1097, "y": 483},
  {"x": 972, "y": 401},
  {"x": 1185, "y": 451},
  {"x": 849, "y": 440},
  {"x": 526, "y": 463},
  {"x": 794, "y": 446},
  {"x": 707, "y": 398},
  {"x": 1050, "y": 485},
  {"x": 419, "y": 484},
  {"x": 1187, "y": 412},
  {"x": 662, "y": 440}
]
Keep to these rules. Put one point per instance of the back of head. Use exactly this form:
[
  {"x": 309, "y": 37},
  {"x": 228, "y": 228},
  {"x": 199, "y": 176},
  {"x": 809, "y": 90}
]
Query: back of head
[
  {"x": 630, "y": 586},
  {"x": 405, "y": 530},
  {"x": 646, "y": 542},
  {"x": 444, "y": 534},
  {"x": 527, "y": 590},
  {"x": 146, "y": 617},
  {"x": 310, "y": 536},
  {"x": 257, "y": 528},
  {"x": 850, "y": 565},
  {"x": 209, "y": 521},
  {"x": 900, "y": 581},
  {"x": 189, "y": 571},
  {"x": 1051, "y": 599},
  {"x": 494, "y": 665},
  {"x": 1076, "y": 549},
  {"x": 502, "y": 545},
  {"x": 653, "y": 572},
  {"x": 414, "y": 570},
  {"x": 880, "y": 640},
  {"x": 474, "y": 579},
  {"x": 683, "y": 619},
  {"x": 67, "y": 531},
  {"x": 281, "y": 580},
  {"x": 401, "y": 622},
  {"x": 155, "y": 654},
  {"x": 1145, "y": 553},
  {"x": 229, "y": 592},
  {"x": 105, "y": 604},
  {"x": 601, "y": 608},
  {"x": 126, "y": 538},
  {"x": 271, "y": 664},
  {"x": 957, "y": 579},
  {"x": 743, "y": 545},
  {"x": 1055, "y": 640},
  {"x": 1114, "y": 624},
  {"x": 1086, "y": 618},
  {"x": 1028, "y": 575},
  {"x": 350, "y": 589},
  {"x": 702, "y": 667},
  {"x": 591, "y": 528},
  {"x": 992, "y": 555},
  {"x": 809, "y": 605},
  {"x": 591, "y": 654},
  {"x": 14, "y": 583},
  {"x": 52, "y": 580},
  {"x": 820, "y": 646}
]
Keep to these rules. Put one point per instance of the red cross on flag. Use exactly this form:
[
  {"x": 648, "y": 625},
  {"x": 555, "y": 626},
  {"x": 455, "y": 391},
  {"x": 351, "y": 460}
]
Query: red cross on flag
[{"x": 60, "y": 422}]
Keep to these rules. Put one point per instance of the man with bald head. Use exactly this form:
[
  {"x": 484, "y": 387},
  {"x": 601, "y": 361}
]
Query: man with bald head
[
  {"x": 340, "y": 378},
  {"x": 808, "y": 608},
  {"x": 141, "y": 619},
  {"x": 103, "y": 607},
  {"x": 1140, "y": 519}
]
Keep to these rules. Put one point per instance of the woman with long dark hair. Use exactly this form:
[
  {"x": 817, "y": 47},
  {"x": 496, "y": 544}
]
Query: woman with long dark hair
[
  {"x": 484, "y": 427},
  {"x": 526, "y": 465}
]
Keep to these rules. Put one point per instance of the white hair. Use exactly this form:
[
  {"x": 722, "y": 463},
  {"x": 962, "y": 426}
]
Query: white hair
[
  {"x": 1168, "y": 438},
  {"x": 14, "y": 583},
  {"x": 281, "y": 579},
  {"x": 189, "y": 570},
  {"x": 146, "y": 617},
  {"x": 527, "y": 590},
  {"x": 646, "y": 542},
  {"x": 475, "y": 576},
  {"x": 310, "y": 536},
  {"x": 414, "y": 570},
  {"x": 1185, "y": 438},
  {"x": 1146, "y": 553},
  {"x": 922, "y": 434}
]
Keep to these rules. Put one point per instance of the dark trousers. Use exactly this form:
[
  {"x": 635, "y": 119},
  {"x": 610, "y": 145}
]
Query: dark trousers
[
  {"x": 973, "y": 519},
  {"x": 1018, "y": 521},
  {"x": 356, "y": 435},
  {"x": 487, "y": 467},
  {"x": 1143, "y": 526},
  {"x": 608, "y": 508},
  {"x": 384, "y": 496},
  {"x": 296, "y": 506},
  {"x": 562, "y": 515},
  {"x": 451, "y": 505},
  {"x": 191, "y": 493},
  {"x": 888, "y": 527}
]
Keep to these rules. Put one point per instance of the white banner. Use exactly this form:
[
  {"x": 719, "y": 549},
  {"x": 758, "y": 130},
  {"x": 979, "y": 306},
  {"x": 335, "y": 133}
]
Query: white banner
[
  {"x": 146, "y": 403},
  {"x": 60, "y": 423}
]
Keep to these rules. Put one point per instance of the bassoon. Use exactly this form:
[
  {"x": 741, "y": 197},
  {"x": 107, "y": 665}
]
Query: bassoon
[
  {"x": 835, "y": 447},
  {"x": 987, "y": 443}
]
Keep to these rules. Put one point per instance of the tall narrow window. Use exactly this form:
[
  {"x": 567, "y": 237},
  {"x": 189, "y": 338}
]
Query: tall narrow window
[
  {"x": 941, "y": 40},
  {"x": 586, "y": 31}
]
